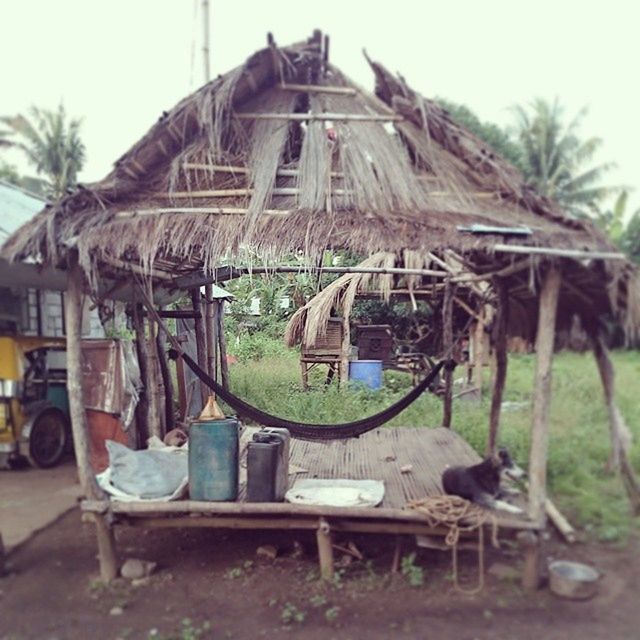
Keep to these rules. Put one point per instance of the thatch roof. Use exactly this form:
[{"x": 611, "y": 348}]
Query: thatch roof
[{"x": 258, "y": 159}]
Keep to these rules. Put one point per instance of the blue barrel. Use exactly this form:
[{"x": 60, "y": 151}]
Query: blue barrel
[
  {"x": 213, "y": 460},
  {"x": 368, "y": 372}
]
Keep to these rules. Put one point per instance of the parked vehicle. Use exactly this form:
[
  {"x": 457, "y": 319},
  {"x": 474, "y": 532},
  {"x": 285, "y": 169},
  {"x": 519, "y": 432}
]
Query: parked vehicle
[{"x": 34, "y": 407}]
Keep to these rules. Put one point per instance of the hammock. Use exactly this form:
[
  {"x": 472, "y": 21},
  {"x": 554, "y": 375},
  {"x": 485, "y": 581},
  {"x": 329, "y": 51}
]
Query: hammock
[{"x": 305, "y": 431}]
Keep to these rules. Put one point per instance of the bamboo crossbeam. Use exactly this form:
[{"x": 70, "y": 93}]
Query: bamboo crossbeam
[
  {"x": 561, "y": 253},
  {"x": 374, "y": 516},
  {"x": 223, "y": 274},
  {"x": 222, "y": 211},
  {"x": 314, "y": 88},
  {"x": 223, "y": 168},
  {"x": 231, "y": 193},
  {"x": 306, "y": 117}
]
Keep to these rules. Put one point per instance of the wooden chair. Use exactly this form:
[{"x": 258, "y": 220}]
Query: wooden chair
[{"x": 327, "y": 350}]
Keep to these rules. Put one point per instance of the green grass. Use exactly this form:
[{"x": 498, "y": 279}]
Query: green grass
[{"x": 579, "y": 439}]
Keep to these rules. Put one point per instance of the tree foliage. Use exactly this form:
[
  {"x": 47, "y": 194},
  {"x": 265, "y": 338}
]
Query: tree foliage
[
  {"x": 51, "y": 143},
  {"x": 630, "y": 240},
  {"x": 556, "y": 161}
]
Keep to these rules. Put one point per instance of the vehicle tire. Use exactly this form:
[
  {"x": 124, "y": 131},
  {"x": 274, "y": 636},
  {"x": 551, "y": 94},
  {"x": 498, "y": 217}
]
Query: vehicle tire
[{"x": 48, "y": 439}]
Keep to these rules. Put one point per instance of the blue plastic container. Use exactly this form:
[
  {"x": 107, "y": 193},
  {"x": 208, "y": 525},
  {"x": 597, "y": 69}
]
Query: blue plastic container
[
  {"x": 367, "y": 372},
  {"x": 213, "y": 460}
]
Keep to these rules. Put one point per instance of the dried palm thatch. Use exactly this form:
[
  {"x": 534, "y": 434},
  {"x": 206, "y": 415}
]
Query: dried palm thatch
[{"x": 285, "y": 153}]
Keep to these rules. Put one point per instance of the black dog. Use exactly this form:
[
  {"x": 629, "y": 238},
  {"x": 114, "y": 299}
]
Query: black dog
[{"x": 481, "y": 482}]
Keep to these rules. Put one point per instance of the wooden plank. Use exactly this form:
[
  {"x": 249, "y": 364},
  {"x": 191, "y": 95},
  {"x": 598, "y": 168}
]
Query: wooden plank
[{"x": 547, "y": 310}]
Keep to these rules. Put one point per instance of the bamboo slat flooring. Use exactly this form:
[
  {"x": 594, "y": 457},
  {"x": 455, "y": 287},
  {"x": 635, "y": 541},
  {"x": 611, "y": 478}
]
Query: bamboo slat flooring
[
  {"x": 380, "y": 455},
  {"x": 377, "y": 455}
]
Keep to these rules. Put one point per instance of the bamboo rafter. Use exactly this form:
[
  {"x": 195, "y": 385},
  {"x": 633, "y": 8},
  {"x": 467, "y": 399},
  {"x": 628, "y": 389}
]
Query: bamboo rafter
[{"x": 333, "y": 117}]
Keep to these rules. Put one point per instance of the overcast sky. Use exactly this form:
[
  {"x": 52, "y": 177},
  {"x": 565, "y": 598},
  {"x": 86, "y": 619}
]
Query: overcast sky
[{"x": 119, "y": 63}]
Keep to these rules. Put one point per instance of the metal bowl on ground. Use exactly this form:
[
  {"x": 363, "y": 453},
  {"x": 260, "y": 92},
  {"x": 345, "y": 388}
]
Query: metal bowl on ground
[{"x": 573, "y": 580}]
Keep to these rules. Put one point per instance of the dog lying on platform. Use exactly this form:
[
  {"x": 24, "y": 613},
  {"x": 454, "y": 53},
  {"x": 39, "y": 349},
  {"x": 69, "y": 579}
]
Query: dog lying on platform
[{"x": 480, "y": 483}]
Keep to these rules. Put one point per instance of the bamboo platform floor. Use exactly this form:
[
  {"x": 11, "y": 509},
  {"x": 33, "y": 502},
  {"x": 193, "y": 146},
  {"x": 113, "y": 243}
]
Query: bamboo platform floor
[
  {"x": 377, "y": 455},
  {"x": 381, "y": 454}
]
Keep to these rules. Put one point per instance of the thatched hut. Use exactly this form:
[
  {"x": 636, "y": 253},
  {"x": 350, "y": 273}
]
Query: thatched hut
[{"x": 286, "y": 154}]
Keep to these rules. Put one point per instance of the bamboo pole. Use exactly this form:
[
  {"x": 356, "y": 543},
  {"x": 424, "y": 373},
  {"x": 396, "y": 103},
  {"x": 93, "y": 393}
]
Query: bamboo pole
[
  {"x": 222, "y": 342},
  {"x": 561, "y": 253},
  {"x": 501, "y": 364},
  {"x": 201, "y": 341},
  {"x": 205, "y": 40},
  {"x": 478, "y": 353},
  {"x": 232, "y": 193},
  {"x": 155, "y": 416},
  {"x": 223, "y": 211},
  {"x": 222, "y": 274},
  {"x": 224, "y": 168},
  {"x": 547, "y": 311},
  {"x": 210, "y": 330},
  {"x": 345, "y": 352},
  {"x": 447, "y": 345},
  {"x": 314, "y": 88},
  {"x": 142, "y": 408},
  {"x": 307, "y": 117},
  {"x": 169, "y": 417}
]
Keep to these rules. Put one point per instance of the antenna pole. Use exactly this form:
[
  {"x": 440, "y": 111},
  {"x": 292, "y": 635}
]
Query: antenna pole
[{"x": 205, "y": 43}]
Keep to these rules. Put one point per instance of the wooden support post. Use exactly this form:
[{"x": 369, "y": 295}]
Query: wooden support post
[
  {"x": 547, "y": 310},
  {"x": 201, "y": 340},
  {"x": 478, "y": 352},
  {"x": 73, "y": 323},
  {"x": 79, "y": 426},
  {"x": 211, "y": 326},
  {"x": 153, "y": 368},
  {"x": 222, "y": 342},
  {"x": 447, "y": 346},
  {"x": 345, "y": 353},
  {"x": 107, "y": 555},
  {"x": 169, "y": 417},
  {"x": 619, "y": 431},
  {"x": 501, "y": 359},
  {"x": 325, "y": 549},
  {"x": 530, "y": 543},
  {"x": 142, "y": 408}
]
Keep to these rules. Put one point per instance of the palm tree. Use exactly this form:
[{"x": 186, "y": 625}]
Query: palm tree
[
  {"x": 556, "y": 161},
  {"x": 50, "y": 142}
]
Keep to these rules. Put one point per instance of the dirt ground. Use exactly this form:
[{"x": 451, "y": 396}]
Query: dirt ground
[{"x": 211, "y": 584}]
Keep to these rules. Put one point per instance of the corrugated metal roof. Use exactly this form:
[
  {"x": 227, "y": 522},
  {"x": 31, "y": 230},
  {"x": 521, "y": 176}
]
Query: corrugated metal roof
[{"x": 16, "y": 207}]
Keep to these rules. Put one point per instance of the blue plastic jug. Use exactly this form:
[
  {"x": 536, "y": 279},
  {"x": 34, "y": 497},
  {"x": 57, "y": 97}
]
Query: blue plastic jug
[{"x": 213, "y": 460}]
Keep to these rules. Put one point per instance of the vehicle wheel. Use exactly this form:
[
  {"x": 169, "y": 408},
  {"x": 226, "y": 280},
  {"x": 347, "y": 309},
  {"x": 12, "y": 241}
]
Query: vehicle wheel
[{"x": 48, "y": 439}]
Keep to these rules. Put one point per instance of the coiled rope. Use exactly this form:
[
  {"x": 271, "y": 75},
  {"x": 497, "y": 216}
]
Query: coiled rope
[{"x": 459, "y": 516}]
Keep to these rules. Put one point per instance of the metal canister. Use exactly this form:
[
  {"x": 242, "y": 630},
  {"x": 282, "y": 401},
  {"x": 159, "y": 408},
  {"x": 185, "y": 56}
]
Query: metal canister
[{"x": 213, "y": 460}]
